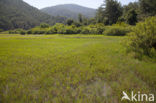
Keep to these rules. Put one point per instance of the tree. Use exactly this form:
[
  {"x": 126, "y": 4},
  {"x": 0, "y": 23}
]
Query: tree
[
  {"x": 148, "y": 7},
  {"x": 77, "y": 24},
  {"x": 131, "y": 17},
  {"x": 85, "y": 21},
  {"x": 109, "y": 12},
  {"x": 80, "y": 18},
  {"x": 113, "y": 10},
  {"x": 70, "y": 22},
  {"x": 100, "y": 15}
]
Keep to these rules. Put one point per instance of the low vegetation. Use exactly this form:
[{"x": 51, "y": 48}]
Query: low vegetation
[
  {"x": 70, "y": 69},
  {"x": 143, "y": 38},
  {"x": 115, "y": 30}
]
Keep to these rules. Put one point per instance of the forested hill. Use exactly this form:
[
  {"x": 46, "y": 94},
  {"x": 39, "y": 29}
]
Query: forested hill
[
  {"x": 70, "y": 11},
  {"x": 18, "y": 14}
]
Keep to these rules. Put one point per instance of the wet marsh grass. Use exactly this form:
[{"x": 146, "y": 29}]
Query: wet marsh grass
[{"x": 70, "y": 69}]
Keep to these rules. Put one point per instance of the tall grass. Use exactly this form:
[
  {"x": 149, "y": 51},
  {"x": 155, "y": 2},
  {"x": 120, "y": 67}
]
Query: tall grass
[{"x": 70, "y": 69}]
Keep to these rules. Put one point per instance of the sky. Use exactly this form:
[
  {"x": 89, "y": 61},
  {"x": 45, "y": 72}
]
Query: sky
[{"x": 87, "y": 3}]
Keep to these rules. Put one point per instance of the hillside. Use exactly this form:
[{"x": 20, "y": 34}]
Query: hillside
[
  {"x": 70, "y": 11},
  {"x": 18, "y": 14}
]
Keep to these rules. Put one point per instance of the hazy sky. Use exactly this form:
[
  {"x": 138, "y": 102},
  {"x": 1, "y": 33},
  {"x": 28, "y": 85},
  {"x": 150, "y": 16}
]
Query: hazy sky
[{"x": 88, "y": 3}]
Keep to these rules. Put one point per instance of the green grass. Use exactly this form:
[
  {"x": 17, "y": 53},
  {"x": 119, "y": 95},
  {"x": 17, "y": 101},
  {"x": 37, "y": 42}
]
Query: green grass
[{"x": 70, "y": 69}]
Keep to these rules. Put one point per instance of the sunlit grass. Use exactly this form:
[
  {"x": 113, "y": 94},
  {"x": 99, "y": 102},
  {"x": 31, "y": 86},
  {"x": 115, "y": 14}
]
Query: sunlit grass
[{"x": 70, "y": 69}]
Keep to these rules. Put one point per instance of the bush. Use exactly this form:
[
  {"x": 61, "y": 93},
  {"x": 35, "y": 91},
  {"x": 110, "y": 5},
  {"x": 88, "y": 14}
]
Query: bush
[
  {"x": 116, "y": 31},
  {"x": 93, "y": 29},
  {"x": 44, "y": 25},
  {"x": 29, "y": 32},
  {"x": 100, "y": 28},
  {"x": 143, "y": 38},
  {"x": 38, "y": 30},
  {"x": 1, "y": 30},
  {"x": 64, "y": 29},
  {"x": 22, "y": 32},
  {"x": 85, "y": 30},
  {"x": 53, "y": 30},
  {"x": 72, "y": 29},
  {"x": 16, "y": 31}
]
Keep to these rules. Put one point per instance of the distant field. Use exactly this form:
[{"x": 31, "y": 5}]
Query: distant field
[{"x": 70, "y": 69}]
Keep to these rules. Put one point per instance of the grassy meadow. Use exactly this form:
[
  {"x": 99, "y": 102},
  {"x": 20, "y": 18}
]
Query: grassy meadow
[{"x": 70, "y": 69}]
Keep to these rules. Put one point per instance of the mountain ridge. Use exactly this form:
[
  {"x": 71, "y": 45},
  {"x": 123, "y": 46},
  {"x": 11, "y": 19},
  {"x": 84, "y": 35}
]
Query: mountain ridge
[
  {"x": 19, "y": 14},
  {"x": 69, "y": 10}
]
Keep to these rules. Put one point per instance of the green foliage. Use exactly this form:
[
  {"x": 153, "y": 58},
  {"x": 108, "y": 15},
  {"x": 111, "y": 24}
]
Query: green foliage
[
  {"x": 100, "y": 15},
  {"x": 80, "y": 18},
  {"x": 22, "y": 32},
  {"x": 131, "y": 17},
  {"x": 143, "y": 38},
  {"x": 71, "y": 30},
  {"x": 119, "y": 29},
  {"x": 93, "y": 29},
  {"x": 18, "y": 14},
  {"x": 38, "y": 30},
  {"x": 92, "y": 21},
  {"x": 59, "y": 28},
  {"x": 44, "y": 25},
  {"x": 70, "y": 22},
  {"x": 1, "y": 30},
  {"x": 116, "y": 31},
  {"x": 52, "y": 30},
  {"x": 85, "y": 30},
  {"x": 16, "y": 31},
  {"x": 130, "y": 13},
  {"x": 29, "y": 32},
  {"x": 148, "y": 7},
  {"x": 113, "y": 11},
  {"x": 77, "y": 24},
  {"x": 109, "y": 12}
]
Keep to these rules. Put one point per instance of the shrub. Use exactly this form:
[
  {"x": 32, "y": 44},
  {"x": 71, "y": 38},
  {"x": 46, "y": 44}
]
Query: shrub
[
  {"x": 44, "y": 25},
  {"x": 96, "y": 29},
  {"x": 116, "y": 31},
  {"x": 29, "y": 32},
  {"x": 16, "y": 31},
  {"x": 39, "y": 30},
  {"x": 11, "y": 32},
  {"x": 72, "y": 29},
  {"x": 1, "y": 30},
  {"x": 22, "y": 32},
  {"x": 85, "y": 30},
  {"x": 62, "y": 30},
  {"x": 143, "y": 38},
  {"x": 53, "y": 30},
  {"x": 100, "y": 28}
]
